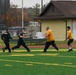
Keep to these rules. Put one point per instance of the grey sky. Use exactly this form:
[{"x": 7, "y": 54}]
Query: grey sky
[{"x": 28, "y": 3}]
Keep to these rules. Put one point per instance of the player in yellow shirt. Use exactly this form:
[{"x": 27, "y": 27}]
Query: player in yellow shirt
[
  {"x": 50, "y": 40},
  {"x": 70, "y": 37}
]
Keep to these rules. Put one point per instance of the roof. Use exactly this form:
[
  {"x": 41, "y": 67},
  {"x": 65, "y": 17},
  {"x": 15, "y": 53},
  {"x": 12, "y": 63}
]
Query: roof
[{"x": 58, "y": 10}]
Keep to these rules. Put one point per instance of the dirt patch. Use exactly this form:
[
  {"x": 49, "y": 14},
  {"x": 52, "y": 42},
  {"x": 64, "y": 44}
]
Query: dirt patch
[{"x": 42, "y": 46}]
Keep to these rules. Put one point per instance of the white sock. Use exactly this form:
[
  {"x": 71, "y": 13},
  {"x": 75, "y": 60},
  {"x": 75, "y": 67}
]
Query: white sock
[{"x": 70, "y": 47}]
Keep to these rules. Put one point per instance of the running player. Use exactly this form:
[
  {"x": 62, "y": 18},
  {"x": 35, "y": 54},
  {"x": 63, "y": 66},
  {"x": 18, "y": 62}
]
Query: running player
[
  {"x": 21, "y": 41},
  {"x": 6, "y": 37},
  {"x": 70, "y": 37},
  {"x": 50, "y": 40}
]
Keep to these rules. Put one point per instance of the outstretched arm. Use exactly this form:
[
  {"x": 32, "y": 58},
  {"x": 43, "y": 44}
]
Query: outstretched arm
[{"x": 10, "y": 36}]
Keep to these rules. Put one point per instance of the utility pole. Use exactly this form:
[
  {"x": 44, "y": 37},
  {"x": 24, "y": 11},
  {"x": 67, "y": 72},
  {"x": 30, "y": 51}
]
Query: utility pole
[
  {"x": 41, "y": 5},
  {"x": 5, "y": 11},
  {"x": 22, "y": 16}
]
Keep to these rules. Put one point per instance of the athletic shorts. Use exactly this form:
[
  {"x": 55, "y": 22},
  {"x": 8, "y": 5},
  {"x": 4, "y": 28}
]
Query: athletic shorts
[{"x": 70, "y": 41}]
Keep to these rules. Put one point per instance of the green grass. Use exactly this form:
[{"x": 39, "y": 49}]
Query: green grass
[{"x": 38, "y": 63}]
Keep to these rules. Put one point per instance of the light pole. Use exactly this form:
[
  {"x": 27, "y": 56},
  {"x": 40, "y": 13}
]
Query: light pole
[
  {"x": 5, "y": 12},
  {"x": 22, "y": 16},
  {"x": 41, "y": 5}
]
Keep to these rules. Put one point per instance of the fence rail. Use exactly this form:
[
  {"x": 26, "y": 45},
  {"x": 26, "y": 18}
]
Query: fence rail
[{"x": 32, "y": 41}]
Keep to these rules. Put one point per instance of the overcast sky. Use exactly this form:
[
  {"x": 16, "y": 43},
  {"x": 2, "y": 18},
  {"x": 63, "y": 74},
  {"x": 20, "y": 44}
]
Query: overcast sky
[{"x": 28, "y": 3}]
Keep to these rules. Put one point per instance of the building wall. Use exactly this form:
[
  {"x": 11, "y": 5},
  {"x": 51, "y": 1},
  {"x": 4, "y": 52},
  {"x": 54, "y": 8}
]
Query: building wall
[
  {"x": 70, "y": 23},
  {"x": 74, "y": 28},
  {"x": 58, "y": 27}
]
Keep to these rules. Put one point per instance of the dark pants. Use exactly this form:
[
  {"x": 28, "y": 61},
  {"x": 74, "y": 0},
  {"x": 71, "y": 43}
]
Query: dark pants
[
  {"x": 70, "y": 41},
  {"x": 19, "y": 44},
  {"x": 7, "y": 46},
  {"x": 50, "y": 43}
]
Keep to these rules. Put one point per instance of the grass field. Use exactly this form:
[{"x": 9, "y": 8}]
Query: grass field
[{"x": 38, "y": 63}]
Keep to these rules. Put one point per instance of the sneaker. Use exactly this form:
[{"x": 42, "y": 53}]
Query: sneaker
[
  {"x": 3, "y": 49},
  {"x": 57, "y": 49},
  {"x": 28, "y": 51},
  {"x": 9, "y": 52},
  {"x": 44, "y": 51},
  {"x": 70, "y": 50}
]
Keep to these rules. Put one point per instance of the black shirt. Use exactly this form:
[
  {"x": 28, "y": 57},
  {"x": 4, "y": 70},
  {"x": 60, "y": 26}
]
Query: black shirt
[
  {"x": 6, "y": 37},
  {"x": 20, "y": 38}
]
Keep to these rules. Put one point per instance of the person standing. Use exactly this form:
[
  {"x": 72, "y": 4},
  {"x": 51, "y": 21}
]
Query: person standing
[
  {"x": 6, "y": 37},
  {"x": 21, "y": 41},
  {"x": 70, "y": 37},
  {"x": 50, "y": 40}
]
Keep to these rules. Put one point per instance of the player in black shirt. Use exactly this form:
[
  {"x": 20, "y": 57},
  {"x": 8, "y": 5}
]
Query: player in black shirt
[
  {"x": 21, "y": 41},
  {"x": 6, "y": 37}
]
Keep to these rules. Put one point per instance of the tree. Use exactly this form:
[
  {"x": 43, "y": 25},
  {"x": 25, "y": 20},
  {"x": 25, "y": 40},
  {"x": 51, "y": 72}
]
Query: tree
[
  {"x": 14, "y": 16},
  {"x": 26, "y": 16},
  {"x": 36, "y": 9},
  {"x": 11, "y": 15}
]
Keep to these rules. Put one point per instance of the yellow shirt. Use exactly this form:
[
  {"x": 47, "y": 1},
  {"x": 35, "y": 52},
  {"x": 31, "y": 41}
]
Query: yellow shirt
[
  {"x": 70, "y": 35},
  {"x": 50, "y": 36}
]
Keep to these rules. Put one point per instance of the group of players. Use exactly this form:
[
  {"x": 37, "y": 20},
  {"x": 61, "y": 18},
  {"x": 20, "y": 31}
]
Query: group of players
[{"x": 49, "y": 35}]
